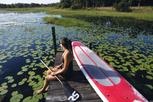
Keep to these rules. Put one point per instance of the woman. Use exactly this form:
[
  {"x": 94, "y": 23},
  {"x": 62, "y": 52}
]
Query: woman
[{"x": 63, "y": 70}]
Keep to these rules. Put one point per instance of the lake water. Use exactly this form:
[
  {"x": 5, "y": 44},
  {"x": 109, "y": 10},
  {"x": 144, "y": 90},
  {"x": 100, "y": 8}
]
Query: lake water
[{"x": 24, "y": 37}]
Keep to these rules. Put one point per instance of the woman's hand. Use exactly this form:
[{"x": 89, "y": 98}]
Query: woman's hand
[{"x": 53, "y": 74}]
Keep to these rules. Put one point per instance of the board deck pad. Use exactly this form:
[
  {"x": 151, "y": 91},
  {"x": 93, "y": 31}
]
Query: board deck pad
[{"x": 107, "y": 82}]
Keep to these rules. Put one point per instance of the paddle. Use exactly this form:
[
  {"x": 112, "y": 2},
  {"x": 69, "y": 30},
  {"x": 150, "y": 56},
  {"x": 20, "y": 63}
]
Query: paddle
[{"x": 71, "y": 93}]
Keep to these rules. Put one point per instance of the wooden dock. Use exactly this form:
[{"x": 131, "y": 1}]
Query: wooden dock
[{"x": 78, "y": 82}]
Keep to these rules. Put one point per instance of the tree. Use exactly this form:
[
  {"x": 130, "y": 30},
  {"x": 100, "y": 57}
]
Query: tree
[
  {"x": 122, "y": 6},
  {"x": 65, "y": 3}
]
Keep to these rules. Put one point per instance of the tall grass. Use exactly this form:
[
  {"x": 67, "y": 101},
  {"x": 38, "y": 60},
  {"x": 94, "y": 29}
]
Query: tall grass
[
  {"x": 67, "y": 22},
  {"x": 141, "y": 13}
]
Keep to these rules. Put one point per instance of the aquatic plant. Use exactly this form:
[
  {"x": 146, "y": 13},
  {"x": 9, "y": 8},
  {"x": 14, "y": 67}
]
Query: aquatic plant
[
  {"x": 34, "y": 98},
  {"x": 9, "y": 77},
  {"x": 31, "y": 73},
  {"x": 3, "y": 56},
  {"x": 20, "y": 73},
  {"x": 13, "y": 85},
  {"x": 24, "y": 69},
  {"x": 28, "y": 61},
  {"x": 11, "y": 81},
  {"x": 3, "y": 88},
  {"x": 23, "y": 81},
  {"x": 67, "y": 22},
  {"x": 16, "y": 97}
]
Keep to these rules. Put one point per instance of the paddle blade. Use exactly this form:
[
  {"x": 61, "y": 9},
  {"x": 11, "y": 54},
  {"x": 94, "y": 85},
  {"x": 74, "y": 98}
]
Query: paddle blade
[{"x": 70, "y": 92}]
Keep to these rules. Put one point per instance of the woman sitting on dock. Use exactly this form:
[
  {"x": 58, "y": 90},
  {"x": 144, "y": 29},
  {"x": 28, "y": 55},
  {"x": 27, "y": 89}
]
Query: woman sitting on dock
[{"x": 64, "y": 70}]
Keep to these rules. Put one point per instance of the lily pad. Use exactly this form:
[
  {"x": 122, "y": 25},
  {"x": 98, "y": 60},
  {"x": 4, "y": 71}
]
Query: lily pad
[
  {"x": 3, "y": 92},
  {"x": 3, "y": 89},
  {"x": 3, "y": 56},
  {"x": 24, "y": 68},
  {"x": 31, "y": 73},
  {"x": 27, "y": 99},
  {"x": 9, "y": 77},
  {"x": 149, "y": 77},
  {"x": 20, "y": 73},
  {"x": 23, "y": 81},
  {"x": 13, "y": 85},
  {"x": 16, "y": 97},
  {"x": 28, "y": 60},
  {"x": 11, "y": 81}
]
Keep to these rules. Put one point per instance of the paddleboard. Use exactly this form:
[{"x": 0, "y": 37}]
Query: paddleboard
[{"x": 105, "y": 80}]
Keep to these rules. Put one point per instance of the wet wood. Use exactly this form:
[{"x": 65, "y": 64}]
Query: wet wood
[{"x": 78, "y": 82}]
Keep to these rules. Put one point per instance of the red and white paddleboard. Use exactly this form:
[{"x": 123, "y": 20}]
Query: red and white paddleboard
[{"x": 108, "y": 83}]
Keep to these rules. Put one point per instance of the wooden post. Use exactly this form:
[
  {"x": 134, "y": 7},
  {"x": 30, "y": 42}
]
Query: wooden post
[
  {"x": 54, "y": 39},
  {"x": 90, "y": 45}
]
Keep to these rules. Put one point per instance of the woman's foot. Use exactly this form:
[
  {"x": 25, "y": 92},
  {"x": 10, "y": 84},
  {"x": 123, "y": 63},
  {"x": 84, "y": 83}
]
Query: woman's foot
[
  {"x": 40, "y": 91},
  {"x": 47, "y": 88}
]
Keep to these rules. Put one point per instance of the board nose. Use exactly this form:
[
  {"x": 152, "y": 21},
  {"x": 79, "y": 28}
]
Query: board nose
[{"x": 76, "y": 43}]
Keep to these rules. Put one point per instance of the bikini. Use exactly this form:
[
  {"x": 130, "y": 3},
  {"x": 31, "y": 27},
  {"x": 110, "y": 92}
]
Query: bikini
[{"x": 68, "y": 74}]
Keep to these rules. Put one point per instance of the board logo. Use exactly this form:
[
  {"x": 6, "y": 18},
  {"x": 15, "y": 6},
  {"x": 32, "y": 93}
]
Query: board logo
[{"x": 74, "y": 96}]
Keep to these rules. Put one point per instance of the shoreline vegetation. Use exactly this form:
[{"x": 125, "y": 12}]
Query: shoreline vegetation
[
  {"x": 66, "y": 22},
  {"x": 138, "y": 13}
]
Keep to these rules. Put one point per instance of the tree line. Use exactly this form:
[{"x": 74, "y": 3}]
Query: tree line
[
  {"x": 25, "y": 5},
  {"x": 102, "y": 3},
  {"x": 81, "y": 3}
]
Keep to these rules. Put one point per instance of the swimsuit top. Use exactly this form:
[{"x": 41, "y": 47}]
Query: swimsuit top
[{"x": 70, "y": 67}]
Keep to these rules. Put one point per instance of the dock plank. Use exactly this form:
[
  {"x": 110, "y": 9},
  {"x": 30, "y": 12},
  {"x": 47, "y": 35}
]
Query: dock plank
[{"x": 78, "y": 81}]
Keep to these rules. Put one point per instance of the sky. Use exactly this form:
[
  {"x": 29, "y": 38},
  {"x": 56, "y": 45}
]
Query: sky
[{"x": 28, "y": 1}]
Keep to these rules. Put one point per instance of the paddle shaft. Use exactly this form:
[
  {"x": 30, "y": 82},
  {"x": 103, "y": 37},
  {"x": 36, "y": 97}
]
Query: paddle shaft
[{"x": 51, "y": 71}]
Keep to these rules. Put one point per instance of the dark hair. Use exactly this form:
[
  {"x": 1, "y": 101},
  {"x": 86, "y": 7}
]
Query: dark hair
[{"x": 66, "y": 43}]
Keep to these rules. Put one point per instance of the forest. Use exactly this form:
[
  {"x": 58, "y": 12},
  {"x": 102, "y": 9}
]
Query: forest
[
  {"x": 81, "y": 3},
  {"x": 102, "y": 3}
]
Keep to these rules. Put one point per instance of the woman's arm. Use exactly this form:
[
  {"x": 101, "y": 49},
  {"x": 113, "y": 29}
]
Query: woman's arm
[
  {"x": 65, "y": 64},
  {"x": 59, "y": 66},
  {"x": 56, "y": 68}
]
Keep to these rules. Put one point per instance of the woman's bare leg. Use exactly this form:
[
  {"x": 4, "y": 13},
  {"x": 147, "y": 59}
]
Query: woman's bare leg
[
  {"x": 46, "y": 82},
  {"x": 49, "y": 72}
]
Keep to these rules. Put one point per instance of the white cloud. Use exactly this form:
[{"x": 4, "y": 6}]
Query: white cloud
[{"x": 28, "y": 1}]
